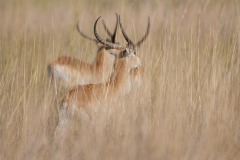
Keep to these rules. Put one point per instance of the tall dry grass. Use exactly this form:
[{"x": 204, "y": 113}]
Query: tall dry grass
[{"x": 190, "y": 109}]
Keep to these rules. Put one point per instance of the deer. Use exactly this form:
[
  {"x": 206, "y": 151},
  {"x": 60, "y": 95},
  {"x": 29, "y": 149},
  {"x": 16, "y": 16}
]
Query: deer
[
  {"x": 83, "y": 100},
  {"x": 67, "y": 71}
]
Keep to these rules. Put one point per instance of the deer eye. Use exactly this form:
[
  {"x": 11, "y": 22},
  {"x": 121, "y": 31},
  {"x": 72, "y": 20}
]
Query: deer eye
[
  {"x": 108, "y": 48},
  {"x": 123, "y": 54}
]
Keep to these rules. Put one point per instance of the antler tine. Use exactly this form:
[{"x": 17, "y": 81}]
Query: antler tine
[
  {"x": 106, "y": 29},
  {"x": 84, "y": 35},
  {"x": 104, "y": 42},
  {"x": 124, "y": 33},
  {"x": 115, "y": 29},
  {"x": 145, "y": 36},
  {"x": 113, "y": 36}
]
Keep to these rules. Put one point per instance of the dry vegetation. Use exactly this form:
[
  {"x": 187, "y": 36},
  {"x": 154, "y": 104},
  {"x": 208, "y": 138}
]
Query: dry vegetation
[{"x": 190, "y": 109}]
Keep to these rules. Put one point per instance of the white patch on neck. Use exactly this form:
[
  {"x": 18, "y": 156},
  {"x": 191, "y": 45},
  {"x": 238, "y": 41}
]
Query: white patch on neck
[{"x": 60, "y": 73}]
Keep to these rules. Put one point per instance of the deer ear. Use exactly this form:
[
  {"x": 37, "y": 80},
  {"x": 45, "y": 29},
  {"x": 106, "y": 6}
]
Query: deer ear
[{"x": 128, "y": 51}]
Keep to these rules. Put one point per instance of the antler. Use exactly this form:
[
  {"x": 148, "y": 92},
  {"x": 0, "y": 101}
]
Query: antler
[
  {"x": 113, "y": 36},
  {"x": 84, "y": 35},
  {"x": 106, "y": 29},
  {"x": 138, "y": 44},
  {"x": 104, "y": 42},
  {"x": 129, "y": 40},
  {"x": 124, "y": 33}
]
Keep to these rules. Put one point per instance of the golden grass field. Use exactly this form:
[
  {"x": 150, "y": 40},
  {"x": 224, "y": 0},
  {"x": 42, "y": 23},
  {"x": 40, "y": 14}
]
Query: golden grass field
[{"x": 189, "y": 109}]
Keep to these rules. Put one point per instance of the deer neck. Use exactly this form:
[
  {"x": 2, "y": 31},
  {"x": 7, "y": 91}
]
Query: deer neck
[
  {"x": 104, "y": 62},
  {"x": 120, "y": 79}
]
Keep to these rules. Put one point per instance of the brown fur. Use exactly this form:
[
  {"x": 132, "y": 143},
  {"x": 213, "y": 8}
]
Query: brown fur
[
  {"x": 86, "y": 95},
  {"x": 80, "y": 72}
]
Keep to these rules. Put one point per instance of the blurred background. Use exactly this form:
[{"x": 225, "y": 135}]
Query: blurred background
[{"x": 190, "y": 107}]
